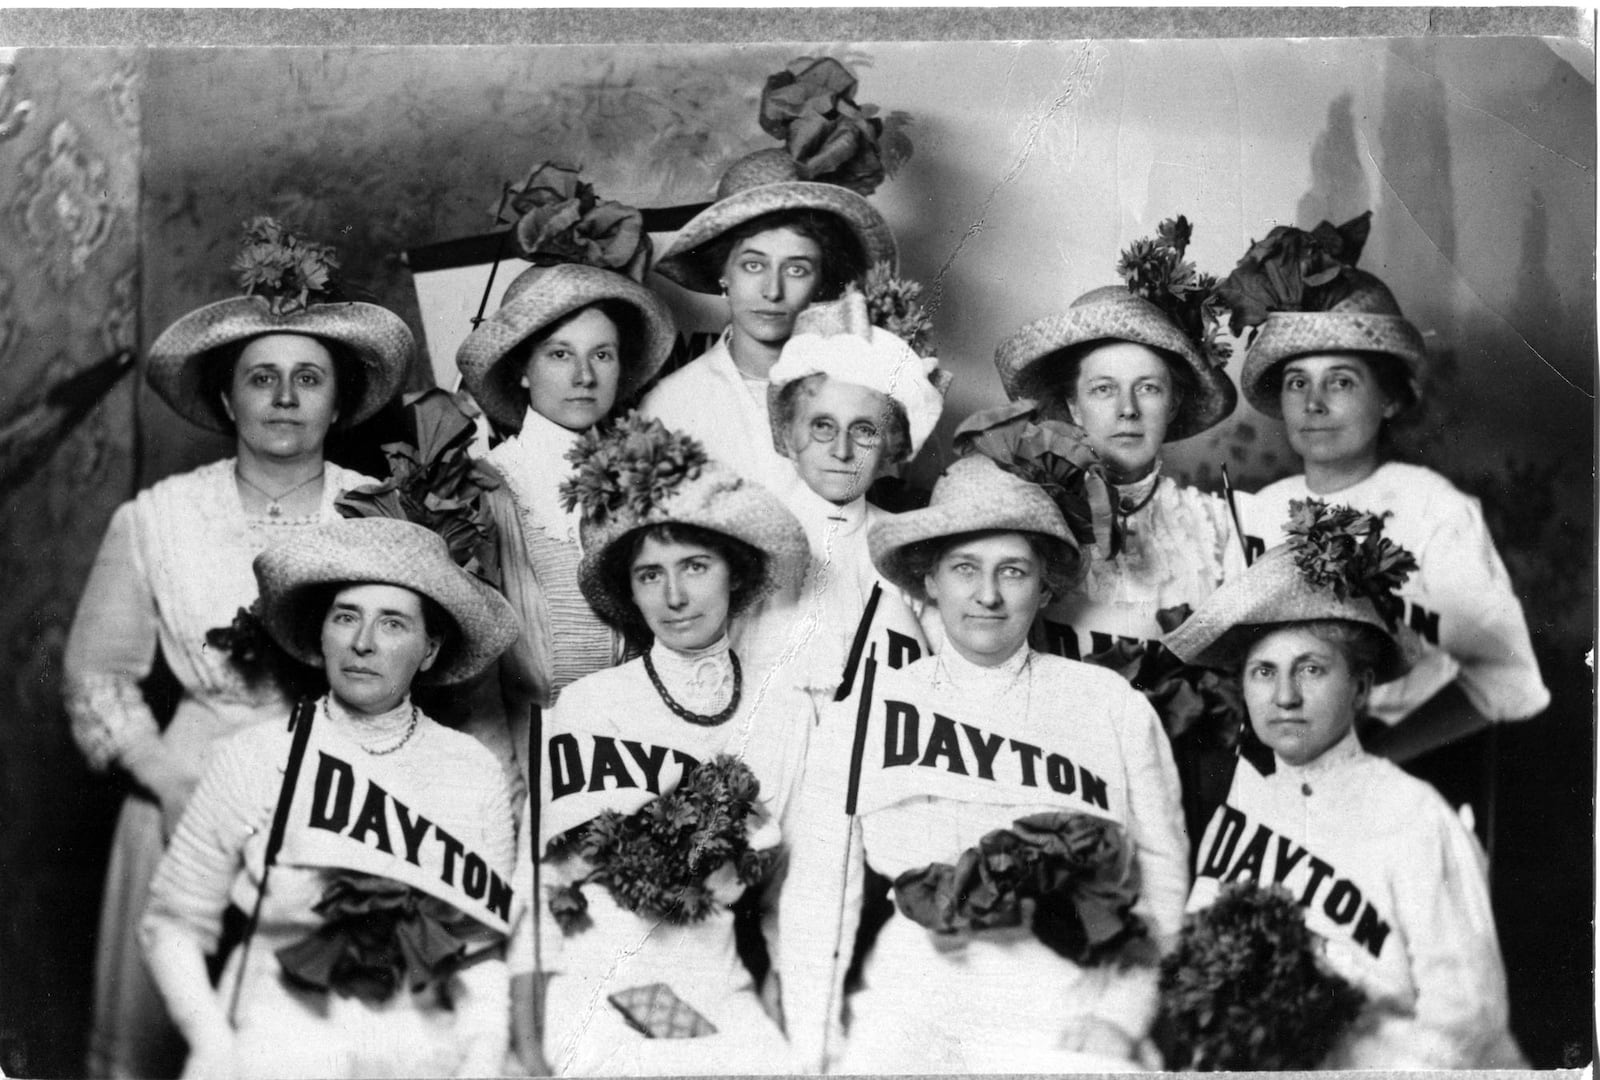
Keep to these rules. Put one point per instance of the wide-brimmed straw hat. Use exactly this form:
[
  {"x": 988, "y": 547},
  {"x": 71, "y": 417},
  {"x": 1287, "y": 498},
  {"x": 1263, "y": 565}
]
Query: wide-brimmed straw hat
[
  {"x": 377, "y": 337},
  {"x": 1368, "y": 320},
  {"x": 1027, "y": 360},
  {"x": 1278, "y": 590},
  {"x": 638, "y": 475},
  {"x": 540, "y": 296},
  {"x": 838, "y": 339},
  {"x": 973, "y": 495},
  {"x": 296, "y": 576},
  {"x": 762, "y": 183}
]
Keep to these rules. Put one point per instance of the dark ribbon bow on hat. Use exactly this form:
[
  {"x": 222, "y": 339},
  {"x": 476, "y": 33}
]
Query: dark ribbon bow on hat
[
  {"x": 811, "y": 107},
  {"x": 1294, "y": 270},
  {"x": 560, "y": 219},
  {"x": 1056, "y": 456}
]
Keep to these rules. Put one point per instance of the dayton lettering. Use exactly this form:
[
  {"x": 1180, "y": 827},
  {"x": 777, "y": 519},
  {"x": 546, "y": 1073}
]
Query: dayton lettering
[
  {"x": 1341, "y": 900},
  {"x": 332, "y": 798},
  {"x": 964, "y": 750},
  {"x": 634, "y": 765}
]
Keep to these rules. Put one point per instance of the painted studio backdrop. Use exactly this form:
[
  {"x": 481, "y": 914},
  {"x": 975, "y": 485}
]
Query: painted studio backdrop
[{"x": 128, "y": 173}]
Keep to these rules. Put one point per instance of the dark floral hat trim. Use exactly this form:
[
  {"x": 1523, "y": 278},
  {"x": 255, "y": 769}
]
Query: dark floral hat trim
[
  {"x": 1156, "y": 270},
  {"x": 560, "y": 219},
  {"x": 1295, "y": 270},
  {"x": 1343, "y": 550},
  {"x": 291, "y": 274},
  {"x": 636, "y": 464},
  {"x": 810, "y": 106}
]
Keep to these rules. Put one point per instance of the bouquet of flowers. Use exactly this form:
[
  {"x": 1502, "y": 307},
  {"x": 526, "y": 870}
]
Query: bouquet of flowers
[
  {"x": 655, "y": 861},
  {"x": 1245, "y": 988}
]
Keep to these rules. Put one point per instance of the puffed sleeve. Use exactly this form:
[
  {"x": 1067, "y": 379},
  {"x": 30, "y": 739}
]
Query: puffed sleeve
[
  {"x": 1125, "y": 998},
  {"x": 1481, "y": 623},
  {"x": 110, "y": 650},
  {"x": 1461, "y": 1016},
  {"x": 234, "y": 801}
]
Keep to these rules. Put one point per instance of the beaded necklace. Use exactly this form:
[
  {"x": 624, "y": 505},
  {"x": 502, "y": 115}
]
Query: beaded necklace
[{"x": 688, "y": 714}]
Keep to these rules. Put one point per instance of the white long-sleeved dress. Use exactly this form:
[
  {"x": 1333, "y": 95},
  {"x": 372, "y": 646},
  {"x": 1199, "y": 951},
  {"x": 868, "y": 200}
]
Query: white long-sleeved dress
[{"x": 1394, "y": 884}]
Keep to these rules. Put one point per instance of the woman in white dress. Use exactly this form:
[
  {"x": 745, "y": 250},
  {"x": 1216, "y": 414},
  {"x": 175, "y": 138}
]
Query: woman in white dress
[
  {"x": 783, "y": 232},
  {"x": 663, "y": 780},
  {"x": 371, "y": 848},
  {"x": 1341, "y": 365},
  {"x": 279, "y": 367}
]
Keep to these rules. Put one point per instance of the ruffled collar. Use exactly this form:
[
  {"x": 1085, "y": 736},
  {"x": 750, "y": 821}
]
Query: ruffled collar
[
  {"x": 1344, "y": 752},
  {"x": 534, "y": 464},
  {"x": 383, "y": 733},
  {"x": 700, "y": 680}
]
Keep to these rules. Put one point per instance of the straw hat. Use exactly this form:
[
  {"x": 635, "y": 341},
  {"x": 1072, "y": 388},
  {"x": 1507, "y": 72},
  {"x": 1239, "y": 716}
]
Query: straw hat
[
  {"x": 1276, "y": 590},
  {"x": 973, "y": 495},
  {"x": 1112, "y": 313},
  {"x": 837, "y": 339},
  {"x": 639, "y": 474},
  {"x": 539, "y": 296},
  {"x": 294, "y": 576},
  {"x": 379, "y": 338},
  {"x": 1368, "y": 320},
  {"x": 761, "y": 183}
]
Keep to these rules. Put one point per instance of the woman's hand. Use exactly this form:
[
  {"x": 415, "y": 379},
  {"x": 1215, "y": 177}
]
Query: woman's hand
[
  {"x": 724, "y": 885},
  {"x": 1102, "y": 1038}
]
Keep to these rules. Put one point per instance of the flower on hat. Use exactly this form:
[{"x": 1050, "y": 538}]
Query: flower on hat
[
  {"x": 811, "y": 107},
  {"x": 1156, "y": 270},
  {"x": 1053, "y": 454},
  {"x": 895, "y": 303},
  {"x": 290, "y": 273},
  {"x": 635, "y": 465},
  {"x": 434, "y": 482},
  {"x": 1295, "y": 270},
  {"x": 1344, "y": 550},
  {"x": 562, "y": 220}
]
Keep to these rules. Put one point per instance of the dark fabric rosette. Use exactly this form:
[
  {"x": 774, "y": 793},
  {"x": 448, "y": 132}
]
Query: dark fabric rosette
[
  {"x": 1075, "y": 869},
  {"x": 1294, "y": 270},
  {"x": 561, "y": 220},
  {"x": 811, "y": 107},
  {"x": 379, "y": 936}
]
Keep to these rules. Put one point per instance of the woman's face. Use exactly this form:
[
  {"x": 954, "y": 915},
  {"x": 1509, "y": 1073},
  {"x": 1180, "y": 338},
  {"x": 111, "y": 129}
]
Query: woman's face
[
  {"x": 1334, "y": 408},
  {"x": 769, "y": 278},
  {"x": 988, "y": 590},
  {"x": 572, "y": 375},
  {"x": 284, "y": 396},
  {"x": 837, "y": 438},
  {"x": 1124, "y": 400},
  {"x": 1301, "y": 693},
  {"x": 374, "y": 643},
  {"x": 683, "y": 591}
]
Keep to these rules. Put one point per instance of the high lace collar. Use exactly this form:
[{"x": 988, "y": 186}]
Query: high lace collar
[
  {"x": 1340, "y": 754},
  {"x": 956, "y": 670},
  {"x": 544, "y": 436},
  {"x": 701, "y": 680},
  {"x": 373, "y": 733}
]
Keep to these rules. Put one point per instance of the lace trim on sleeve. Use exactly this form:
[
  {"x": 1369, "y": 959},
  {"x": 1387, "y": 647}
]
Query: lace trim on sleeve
[{"x": 108, "y": 714}]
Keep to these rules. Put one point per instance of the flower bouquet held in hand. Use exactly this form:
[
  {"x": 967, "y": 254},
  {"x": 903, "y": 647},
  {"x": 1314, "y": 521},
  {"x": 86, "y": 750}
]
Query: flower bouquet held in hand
[{"x": 662, "y": 860}]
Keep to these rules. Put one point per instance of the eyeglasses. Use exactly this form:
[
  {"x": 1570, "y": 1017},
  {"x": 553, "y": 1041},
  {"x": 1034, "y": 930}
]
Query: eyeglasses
[{"x": 861, "y": 433}]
